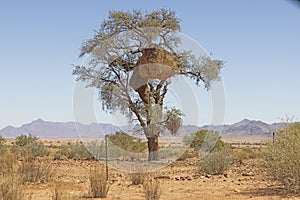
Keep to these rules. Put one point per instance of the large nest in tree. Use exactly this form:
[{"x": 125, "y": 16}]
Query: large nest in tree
[{"x": 155, "y": 63}]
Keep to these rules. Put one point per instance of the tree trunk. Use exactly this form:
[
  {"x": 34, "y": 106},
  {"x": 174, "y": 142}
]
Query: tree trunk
[{"x": 153, "y": 148}]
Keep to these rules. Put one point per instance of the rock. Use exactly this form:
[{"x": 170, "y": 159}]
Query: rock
[
  {"x": 236, "y": 190},
  {"x": 226, "y": 175},
  {"x": 248, "y": 174},
  {"x": 202, "y": 177},
  {"x": 208, "y": 176}
]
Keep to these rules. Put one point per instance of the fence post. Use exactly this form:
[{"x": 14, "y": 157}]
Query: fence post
[{"x": 106, "y": 156}]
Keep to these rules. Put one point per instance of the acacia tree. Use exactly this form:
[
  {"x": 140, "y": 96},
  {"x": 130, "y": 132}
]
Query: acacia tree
[{"x": 132, "y": 58}]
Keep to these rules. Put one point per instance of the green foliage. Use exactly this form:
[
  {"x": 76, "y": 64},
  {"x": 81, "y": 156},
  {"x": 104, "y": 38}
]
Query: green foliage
[
  {"x": 127, "y": 142},
  {"x": 120, "y": 21},
  {"x": 217, "y": 162},
  {"x": 196, "y": 140},
  {"x": 283, "y": 157},
  {"x": 29, "y": 145},
  {"x": 23, "y": 140},
  {"x": 73, "y": 151},
  {"x": 173, "y": 119},
  {"x": 2, "y": 145}
]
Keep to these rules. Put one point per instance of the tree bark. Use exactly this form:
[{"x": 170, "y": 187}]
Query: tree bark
[{"x": 153, "y": 148}]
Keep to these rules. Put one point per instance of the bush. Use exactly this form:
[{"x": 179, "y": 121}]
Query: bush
[
  {"x": 29, "y": 145},
  {"x": 283, "y": 157},
  {"x": 75, "y": 151},
  {"x": 127, "y": 142},
  {"x": 197, "y": 139},
  {"x": 98, "y": 184},
  {"x": 152, "y": 189},
  {"x": 23, "y": 140},
  {"x": 2, "y": 145},
  {"x": 137, "y": 178},
  {"x": 35, "y": 171},
  {"x": 216, "y": 162}
]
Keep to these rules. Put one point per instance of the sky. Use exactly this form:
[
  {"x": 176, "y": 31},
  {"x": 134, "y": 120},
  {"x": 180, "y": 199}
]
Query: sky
[{"x": 258, "y": 40}]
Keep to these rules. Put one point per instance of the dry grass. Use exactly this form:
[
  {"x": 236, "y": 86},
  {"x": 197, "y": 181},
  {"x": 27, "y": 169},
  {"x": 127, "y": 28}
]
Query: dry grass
[
  {"x": 152, "y": 189},
  {"x": 137, "y": 178},
  {"x": 10, "y": 184},
  {"x": 59, "y": 195},
  {"x": 35, "y": 171},
  {"x": 99, "y": 186}
]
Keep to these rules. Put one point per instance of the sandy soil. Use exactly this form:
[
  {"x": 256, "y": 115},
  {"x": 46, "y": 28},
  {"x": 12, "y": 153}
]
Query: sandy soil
[{"x": 180, "y": 180}]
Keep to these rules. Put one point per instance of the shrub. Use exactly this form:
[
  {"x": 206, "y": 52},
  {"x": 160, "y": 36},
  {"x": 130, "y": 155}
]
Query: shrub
[
  {"x": 283, "y": 157},
  {"x": 152, "y": 189},
  {"x": 29, "y": 145},
  {"x": 35, "y": 171},
  {"x": 216, "y": 162},
  {"x": 2, "y": 145},
  {"x": 23, "y": 140},
  {"x": 127, "y": 142},
  {"x": 73, "y": 151},
  {"x": 98, "y": 184},
  {"x": 245, "y": 153},
  {"x": 137, "y": 178},
  {"x": 197, "y": 139}
]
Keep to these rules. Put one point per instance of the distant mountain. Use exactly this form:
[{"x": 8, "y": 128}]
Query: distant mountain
[
  {"x": 47, "y": 129},
  {"x": 243, "y": 130}
]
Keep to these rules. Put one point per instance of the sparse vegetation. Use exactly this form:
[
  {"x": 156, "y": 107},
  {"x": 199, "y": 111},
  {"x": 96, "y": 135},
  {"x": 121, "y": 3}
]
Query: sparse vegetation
[
  {"x": 99, "y": 186},
  {"x": 217, "y": 162},
  {"x": 33, "y": 170},
  {"x": 283, "y": 157},
  {"x": 152, "y": 189},
  {"x": 73, "y": 151},
  {"x": 197, "y": 139},
  {"x": 10, "y": 188},
  {"x": 59, "y": 195},
  {"x": 245, "y": 153},
  {"x": 2, "y": 145},
  {"x": 10, "y": 184},
  {"x": 127, "y": 142},
  {"x": 137, "y": 178},
  {"x": 29, "y": 145}
]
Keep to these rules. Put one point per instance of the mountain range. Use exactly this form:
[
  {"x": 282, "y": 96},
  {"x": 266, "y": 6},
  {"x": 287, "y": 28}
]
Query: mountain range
[{"x": 243, "y": 130}]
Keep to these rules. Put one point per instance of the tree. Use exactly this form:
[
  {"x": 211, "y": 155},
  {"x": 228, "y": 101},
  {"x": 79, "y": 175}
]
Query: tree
[{"x": 132, "y": 58}]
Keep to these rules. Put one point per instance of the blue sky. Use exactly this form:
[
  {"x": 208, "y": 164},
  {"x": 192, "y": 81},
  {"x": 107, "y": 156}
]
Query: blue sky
[{"x": 259, "y": 40}]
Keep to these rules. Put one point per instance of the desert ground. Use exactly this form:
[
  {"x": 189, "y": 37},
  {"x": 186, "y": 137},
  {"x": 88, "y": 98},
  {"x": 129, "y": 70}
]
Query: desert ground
[{"x": 245, "y": 179}]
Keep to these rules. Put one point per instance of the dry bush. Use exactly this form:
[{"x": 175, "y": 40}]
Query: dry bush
[
  {"x": 33, "y": 170},
  {"x": 216, "y": 162},
  {"x": 152, "y": 189},
  {"x": 245, "y": 153},
  {"x": 99, "y": 186},
  {"x": 10, "y": 184},
  {"x": 137, "y": 178},
  {"x": 283, "y": 158}
]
